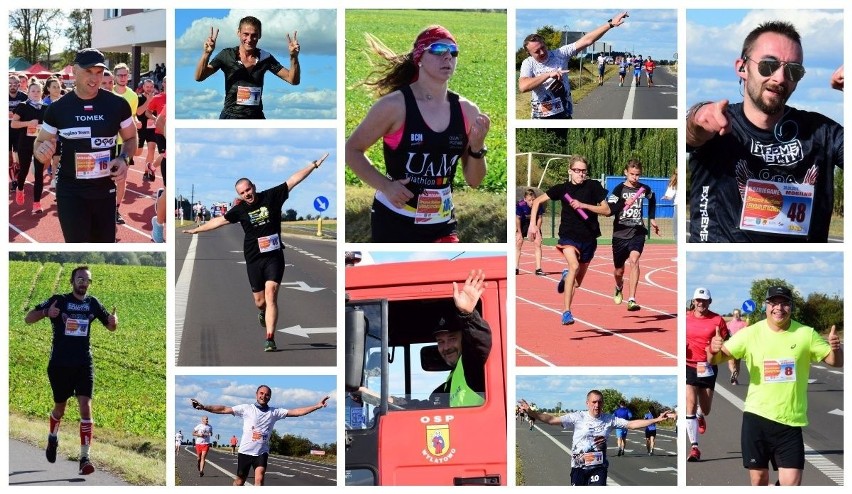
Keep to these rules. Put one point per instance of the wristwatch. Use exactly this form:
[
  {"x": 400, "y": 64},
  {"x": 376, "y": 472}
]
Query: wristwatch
[
  {"x": 609, "y": 21},
  {"x": 477, "y": 154},
  {"x": 125, "y": 158}
]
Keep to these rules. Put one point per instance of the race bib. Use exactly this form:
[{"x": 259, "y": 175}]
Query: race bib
[
  {"x": 151, "y": 123},
  {"x": 32, "y": 131},
  {"x": 779, "y": 370},
  {"x": 549, "y": 107},
  {"x": 256, "y": 435},
  {"x": 592, "y": 458},
  {"x": 92, "y": 165},
  {"x": 703, "y": 369},
  {"x": 248, "y": 96},
  {"x": 269, "y": 243},
  {"x": 777, "y": 207},
  {"x": 76, "y": 327},
  {"x": 434, "y": 206}
]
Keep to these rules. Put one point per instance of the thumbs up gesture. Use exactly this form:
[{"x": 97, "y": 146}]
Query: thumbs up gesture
[
  {"x": 833, "y": 338},
  {"x": 53, "y": 310},
  {"x": 716, "y": 342}
]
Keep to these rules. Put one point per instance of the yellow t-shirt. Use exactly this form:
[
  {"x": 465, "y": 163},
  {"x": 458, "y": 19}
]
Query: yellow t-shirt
[{"x": 133, "y": 99}]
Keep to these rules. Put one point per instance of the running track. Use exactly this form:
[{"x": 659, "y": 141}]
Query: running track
[
  {"x": 137, "y": 210},
  {"x": 604, "y": 334}
]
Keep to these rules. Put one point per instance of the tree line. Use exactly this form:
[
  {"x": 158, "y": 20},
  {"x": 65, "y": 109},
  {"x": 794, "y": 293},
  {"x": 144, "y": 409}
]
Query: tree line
[{"x": 94, "y": 258}]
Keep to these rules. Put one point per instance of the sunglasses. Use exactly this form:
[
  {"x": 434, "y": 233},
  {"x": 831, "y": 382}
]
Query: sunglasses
[
  {"x": 442, "y": 49},
  {"x": 580, "y": 170},
  {"x": 766, "y": 67}
]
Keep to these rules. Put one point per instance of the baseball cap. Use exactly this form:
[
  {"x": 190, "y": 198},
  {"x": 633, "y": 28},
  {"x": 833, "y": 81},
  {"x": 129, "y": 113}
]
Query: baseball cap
[
  {"x": 90, "y": 57},
  {"x": 701, "y": 294},
  {"x": 446, "y": 324},
  {"x": 779, "y": 291}
]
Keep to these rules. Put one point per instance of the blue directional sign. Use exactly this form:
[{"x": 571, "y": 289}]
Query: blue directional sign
[
  {"x": 320, "y": 203},
  {"x": 749, "y": 306}
]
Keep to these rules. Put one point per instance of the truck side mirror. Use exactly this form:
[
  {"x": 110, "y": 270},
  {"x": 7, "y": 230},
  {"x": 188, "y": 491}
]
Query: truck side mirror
[
  {"x": 356, "y": 329},
  {"x": 431, "y": 360}
]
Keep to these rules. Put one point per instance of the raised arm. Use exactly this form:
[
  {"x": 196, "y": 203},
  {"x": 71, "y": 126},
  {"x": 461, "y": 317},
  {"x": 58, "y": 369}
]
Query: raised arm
[
  {"x": 204, "y": 70},
  {"x": 639, "y": 423},
  {"x": 213, "y": 224},
  {"x": 298, "y": 412},
  {"x": 293, "y": 75},
  {"x": 221, "y": 409},
  {"x": 540, "y": 416},
  {"x": 474, "y": 168},
  {"x": 595, "y": 35},
  {"x": 296, "y": 178}
]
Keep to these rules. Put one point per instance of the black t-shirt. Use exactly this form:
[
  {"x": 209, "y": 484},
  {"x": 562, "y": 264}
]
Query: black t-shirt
[
  {"x": 804, "y": 148},
  {"x": 88, "y": 131},
  {"x": 244, "y": 87},
  {"x": 571, "y": 224},
  {"x": 72, "y": 328},
  {"x": 261, "y": 222},
  {"x": 19, "y": 97},
  {"x": 27, "y": 112},
  {"x": 627, "y": 222}
]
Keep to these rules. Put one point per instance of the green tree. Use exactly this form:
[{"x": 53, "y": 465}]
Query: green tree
[
  {"x": 821, "y": 311},
  {"x": 79, "y": 32},
  {"x": 290, "y": 215},
  {"x": 758, "y": 294},
  {"x": 33, "y": 29},
  {"x": 611, "y": 399}
]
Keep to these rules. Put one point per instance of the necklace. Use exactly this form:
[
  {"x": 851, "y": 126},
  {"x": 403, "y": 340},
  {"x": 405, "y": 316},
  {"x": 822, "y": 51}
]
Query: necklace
[{"x": 428, "y": 96}]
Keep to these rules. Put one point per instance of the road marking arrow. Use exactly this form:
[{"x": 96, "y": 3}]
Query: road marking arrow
[
  {"x": 836, "y": 411},
  {"x": 657, "y": 470},
  {"x": 302, "y": 286},
  {"x": 279, "y": 473},
  {"x": 298, "y": 330}
]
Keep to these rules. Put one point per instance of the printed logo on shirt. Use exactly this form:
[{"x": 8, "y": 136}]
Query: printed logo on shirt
[
  {"x": 76, "y": 133},
  {"x": 103, "y": 142},
  {"x": 89, "y": 118},
  {"x": 417, "y": 138},
  {"x": 783, "y": 153}
]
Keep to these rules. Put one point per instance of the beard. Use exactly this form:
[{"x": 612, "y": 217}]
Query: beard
[{"x": 755, "y": 93}]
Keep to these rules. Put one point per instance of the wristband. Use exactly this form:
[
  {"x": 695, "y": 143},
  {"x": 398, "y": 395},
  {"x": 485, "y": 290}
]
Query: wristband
[
  {"x": 123, "y": 156},
  {"x": 45, "y": 312},
  {"x": 611, "y": 25},
  {"x": 477, "y": 154}
]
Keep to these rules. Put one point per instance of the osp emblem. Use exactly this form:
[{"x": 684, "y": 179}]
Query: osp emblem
[{"x": 438, "y": 439}]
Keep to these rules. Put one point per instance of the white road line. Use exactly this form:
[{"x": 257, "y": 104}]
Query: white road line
[
  {"x": 818, "y": 461},
  {"x": 182, "y": 293},
  {"x": 628, "y": 107},
  {"x": 528, "y": 353},
  {"x": 21, "y": 233}
]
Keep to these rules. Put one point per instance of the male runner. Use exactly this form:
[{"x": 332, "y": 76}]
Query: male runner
[
  {"x": 622, "y": 412},
  {"x": 16, "y": 96},
  {"x": 649, "y": 69},
  {"x": 202, "y": 433},
  {"x": 178, "y": 441},
  {"x": 258, "y": 420},
  {"x": 121, "y": 73},
  {"x": 637, "y": 69},
  {"x": 260, "y": 216},
  {"x": 70, "y": 369},
  {"x": 523, "y": 210}
]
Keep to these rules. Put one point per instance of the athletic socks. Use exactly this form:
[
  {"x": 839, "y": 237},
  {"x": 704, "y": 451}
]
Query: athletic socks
[
  {"x": 54, "y": 425},
  {"x": 692, "y": 429},
  {"x": 86, "y": 426}
]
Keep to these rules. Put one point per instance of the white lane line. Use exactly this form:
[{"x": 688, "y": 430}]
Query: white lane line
[
  {"x": 21, "y": 233},
  {"x": 628, "y": 107},
  {"x": 182, "y": 293}
]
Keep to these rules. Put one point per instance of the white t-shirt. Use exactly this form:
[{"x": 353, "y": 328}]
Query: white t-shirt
[
  {"x": 178, "y": 438},
  {"x": 257, "y": 427},
  {"x": 205, "y": 433},
  {"x": 586, "y": 428}
]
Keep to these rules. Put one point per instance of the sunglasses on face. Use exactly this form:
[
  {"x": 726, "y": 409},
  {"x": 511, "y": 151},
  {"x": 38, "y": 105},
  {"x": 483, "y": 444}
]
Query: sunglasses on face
[
  {"x": 766, "y": 67},
  {"x": 442, "y": 49}
]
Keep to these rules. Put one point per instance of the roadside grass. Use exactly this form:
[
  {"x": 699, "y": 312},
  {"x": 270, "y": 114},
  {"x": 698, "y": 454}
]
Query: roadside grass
[
  {"x": 130, "y": 369},
  {"x": 481, "y": 216},
  {"x": 304, "y": 227}
]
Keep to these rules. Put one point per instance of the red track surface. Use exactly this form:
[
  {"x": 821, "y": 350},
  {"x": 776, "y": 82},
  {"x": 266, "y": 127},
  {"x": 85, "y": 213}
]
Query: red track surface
[
  {"x": 137, "y": 210},
  {"x": 604, "y": 334}
]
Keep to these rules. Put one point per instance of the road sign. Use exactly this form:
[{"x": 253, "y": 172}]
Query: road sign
[
  {"x": 320, "y": 204},
  {"x": 749, "y": 306}
]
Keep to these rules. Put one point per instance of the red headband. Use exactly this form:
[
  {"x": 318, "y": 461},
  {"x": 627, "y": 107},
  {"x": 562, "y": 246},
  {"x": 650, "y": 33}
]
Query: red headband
[{"x": 427, "y": 37}]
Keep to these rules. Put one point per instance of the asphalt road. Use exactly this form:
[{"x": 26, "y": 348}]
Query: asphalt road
[
  {"x": 721, "y": 454},
  {"x": 221, "y": 467},
  {"x": 215, "y": 316},
  {"x": 611, "y": 101},
  {"x": 28, "y": 466},
  {"x": 544, "y": 462}
]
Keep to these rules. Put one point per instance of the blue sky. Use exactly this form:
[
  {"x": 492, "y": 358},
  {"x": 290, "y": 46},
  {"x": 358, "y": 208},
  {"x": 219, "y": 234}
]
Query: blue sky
[
  {"x": 714, "y": 42},
  {"x": 649, "y": 32},
  {"x": 287, "y": 392},
  {"x": 545, "y": 391},
  {"x": 314, "y": 98},
  {"x": 728, "y": 275},
  {"x": 213, "y": 160}
]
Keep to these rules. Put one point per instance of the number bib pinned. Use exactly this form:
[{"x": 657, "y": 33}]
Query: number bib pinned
[
  {"x": 269, "y": 243},
  {"x": 92, "y": 165},
  {"x": 780, "y": 208},
  {"x": 76, "y": 327},
  {"x": 592, "y": 458},
  {"x": 248, "y": 96},
  {"x": 33, "y": 131},
  {"x": 779, "y": 370},
  {"x": 703, "y": 369},
  {"x": 434, "y": 206}
]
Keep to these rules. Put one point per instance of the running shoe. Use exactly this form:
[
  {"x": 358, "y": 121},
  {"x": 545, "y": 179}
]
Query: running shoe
[
  {"x": 37, "y": 207},
  {"x": 52, "y": 446},
  {"x": 53, "y": 182},
  {"x": 201, "y": 473},
  {"x": 517, "y": 271},
  {"x": 735, "y": 378},
  {"x": 269, "y": 346},
  {"x": 19, "y": 197},
  {"x": 560, "y": 287},
  {"x": 702, "y": 424},
  {"x": 694, "y": 454},
  {"x": 86, "y": 466},
  {"x": 632, "y": 305},
  {"x": 618, "y": 297},
  {"x": 567, "y": 318},
  {"x": 119, "y": 220},
  {"x": 539, "y": 272},
  {"x": 13, "y": 185},
  {"x": 261, "y": 318}
]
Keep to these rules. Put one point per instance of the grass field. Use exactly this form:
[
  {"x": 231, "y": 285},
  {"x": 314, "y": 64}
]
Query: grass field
[
  {"x": 129, "y": 405},
  {"x": 480, "y": 72},
  {"x": 305, "y": 227}
]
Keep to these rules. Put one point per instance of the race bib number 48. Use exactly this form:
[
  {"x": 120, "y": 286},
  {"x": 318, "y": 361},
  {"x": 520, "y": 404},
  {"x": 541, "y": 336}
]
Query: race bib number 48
[{"x": 773, "y": 207}]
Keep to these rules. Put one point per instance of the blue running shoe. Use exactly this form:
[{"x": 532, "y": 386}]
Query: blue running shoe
[
  {"x": 560, "y": 287},
  {"x": 567, "y": 318}
]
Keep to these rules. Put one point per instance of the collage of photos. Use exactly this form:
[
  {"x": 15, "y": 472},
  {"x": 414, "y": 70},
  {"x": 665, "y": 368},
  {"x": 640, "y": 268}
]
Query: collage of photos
[{"x": 621, "y": 352}]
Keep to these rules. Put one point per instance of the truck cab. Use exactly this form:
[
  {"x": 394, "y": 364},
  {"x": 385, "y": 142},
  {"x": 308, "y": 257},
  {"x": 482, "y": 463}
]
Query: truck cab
[{"x": 399, "y": 431}]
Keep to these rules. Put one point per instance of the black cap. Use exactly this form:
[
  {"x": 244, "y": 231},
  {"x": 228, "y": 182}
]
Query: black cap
[
  {"x": 90, "y": 57},
  {"x": 779, "y": 291},
  {"x": 446, "y": 324}
]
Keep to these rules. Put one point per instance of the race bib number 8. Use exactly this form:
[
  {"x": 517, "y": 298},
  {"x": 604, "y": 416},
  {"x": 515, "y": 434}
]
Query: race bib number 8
[{"x": 779, "y": 370}]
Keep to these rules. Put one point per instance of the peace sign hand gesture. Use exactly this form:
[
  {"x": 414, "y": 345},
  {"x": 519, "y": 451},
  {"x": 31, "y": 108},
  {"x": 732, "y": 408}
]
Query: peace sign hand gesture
[
  {"x": 210, "y": 42},
  {"x": 293, "y": 44}
]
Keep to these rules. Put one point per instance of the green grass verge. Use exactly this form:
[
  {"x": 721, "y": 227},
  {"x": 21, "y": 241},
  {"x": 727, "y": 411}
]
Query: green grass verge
[{"x": 130, "y": 368}]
